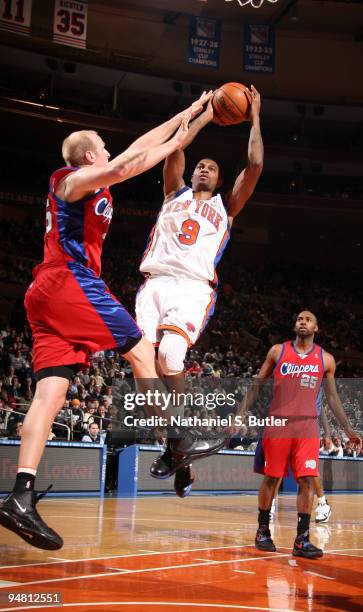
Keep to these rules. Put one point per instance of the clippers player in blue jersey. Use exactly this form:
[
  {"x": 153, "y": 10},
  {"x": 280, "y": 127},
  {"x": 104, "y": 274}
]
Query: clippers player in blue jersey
[
  {"x": 298, "y": 368},
  {"x": 70, "y": 309}
]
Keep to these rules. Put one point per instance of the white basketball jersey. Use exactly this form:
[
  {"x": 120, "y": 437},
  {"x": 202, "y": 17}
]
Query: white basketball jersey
[{"x": 188, "y": 238}]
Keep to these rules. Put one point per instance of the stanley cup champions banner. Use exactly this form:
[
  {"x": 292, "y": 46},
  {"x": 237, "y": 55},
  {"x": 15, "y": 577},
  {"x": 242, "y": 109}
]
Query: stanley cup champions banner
[
  {"x": 15, "y": 16},
  {"x": 204, "y": 42},
  {"x": 70, "y": 23}
]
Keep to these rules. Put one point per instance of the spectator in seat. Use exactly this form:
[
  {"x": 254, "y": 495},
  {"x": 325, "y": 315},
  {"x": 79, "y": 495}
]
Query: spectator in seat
[
  {"x": 18, "y": 361},
  {"x": 76, "y": 411},
  {"x": 88, "y": 417},
  {"x": 93, "y": 434},
  {"x": 328, "y": 448},
  {"x": 99, "y": 379},
  {"x": 339, "y": 447},
  {"x": 84, "y": 377},
  {"x": 108, "y": 395},
  {"x": 16, "y": 435},
  {"x": 195, "y": 369},
  {"x": 14, "y": 389},
  {"x": 96, "y": 393},
  {"x": 9, "y": 376},
  {"x": 349, "y": 451},
  {"x": 101, "y": 418}
]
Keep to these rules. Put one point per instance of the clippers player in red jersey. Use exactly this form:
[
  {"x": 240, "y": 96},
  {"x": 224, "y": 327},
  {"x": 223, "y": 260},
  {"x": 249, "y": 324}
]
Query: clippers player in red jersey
[
  {"x": 298, "y": 369},
  {"x": 70, "y": 309}
]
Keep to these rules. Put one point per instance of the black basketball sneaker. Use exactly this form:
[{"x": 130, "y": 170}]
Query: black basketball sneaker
[
  {"x": 182, "y": 450},
  {"x": 263, "y": 540},
  {"x": 183, "y": 481},
  {"x": 304, "y": 548},
  {"x": 18, "y": 513}
]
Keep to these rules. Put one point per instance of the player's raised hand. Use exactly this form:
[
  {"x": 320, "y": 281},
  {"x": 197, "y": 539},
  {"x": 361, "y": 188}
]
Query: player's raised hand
[
  {"x": 182, "y": 133},
  {"x": 255, "y": 103},
  {"x": 355, "y": 438},
  {"x": 209, "y": 111},
  {"x": 197, "y": 106}
]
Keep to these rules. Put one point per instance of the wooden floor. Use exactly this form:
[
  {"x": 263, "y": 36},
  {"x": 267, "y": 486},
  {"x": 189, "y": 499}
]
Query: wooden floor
[{"x": 166, "y": 554}]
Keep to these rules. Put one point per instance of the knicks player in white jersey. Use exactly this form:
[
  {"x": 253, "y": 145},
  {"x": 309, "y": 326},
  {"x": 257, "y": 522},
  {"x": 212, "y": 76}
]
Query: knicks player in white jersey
[{"x": 179, "y": 294}]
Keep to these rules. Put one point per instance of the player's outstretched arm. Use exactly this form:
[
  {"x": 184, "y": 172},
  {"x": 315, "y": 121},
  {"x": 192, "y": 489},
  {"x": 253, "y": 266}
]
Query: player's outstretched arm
[
  {"x": 173, "y": 174},
  {"x": 174, "y": 166},
  {"x": 246, "y": 182},
  {"x": 162, "y": 132},
  {"x": 257, "y": 382},
  {"x": 334, "y": 401},
  {"x": 325, "y": 423},
  {"x": 127, "y": 165}
]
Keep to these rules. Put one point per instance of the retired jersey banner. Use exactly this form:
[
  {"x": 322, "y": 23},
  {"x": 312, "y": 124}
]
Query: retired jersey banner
[
  {"x": 15, "y": 16},
  {"x": 204, "y": 42},
  {"x": 259, "y": 48},
  {"x": 70, "y": 23}
]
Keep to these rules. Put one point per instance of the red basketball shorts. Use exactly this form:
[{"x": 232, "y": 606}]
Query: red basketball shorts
[
  {"x": 72, "y": 314},
  {"x": 274, "y": 455}
]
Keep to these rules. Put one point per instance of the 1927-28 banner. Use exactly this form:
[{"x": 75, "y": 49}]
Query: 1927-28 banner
[{"x": 204, "y": 42}]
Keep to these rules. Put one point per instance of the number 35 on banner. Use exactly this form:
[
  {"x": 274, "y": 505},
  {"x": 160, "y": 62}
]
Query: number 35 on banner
[{"x": 70, "y": 23}]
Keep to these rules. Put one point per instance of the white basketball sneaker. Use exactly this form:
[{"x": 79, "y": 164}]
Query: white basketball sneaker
[{"x": 322, "y": 513}]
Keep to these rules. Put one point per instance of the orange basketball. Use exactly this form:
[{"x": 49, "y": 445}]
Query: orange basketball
[{"x": 231, "y": 104}]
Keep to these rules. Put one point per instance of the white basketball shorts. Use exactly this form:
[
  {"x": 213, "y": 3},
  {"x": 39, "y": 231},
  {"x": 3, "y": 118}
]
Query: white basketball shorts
[{"x": 181, "y": 305}]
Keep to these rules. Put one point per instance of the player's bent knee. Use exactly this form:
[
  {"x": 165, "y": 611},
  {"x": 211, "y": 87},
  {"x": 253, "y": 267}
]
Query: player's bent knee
[
  {"x": 271, "y": 481},
  {"x": 46, "y": 406},
  {"x": 51, "y": 391},
  {"x": 172, "y": 350},
  {"x": 142, "y": 352},
  {"x": 305, "y": 481}
]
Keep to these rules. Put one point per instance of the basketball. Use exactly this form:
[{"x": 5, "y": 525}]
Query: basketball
[{"x": 231, "y": 104}]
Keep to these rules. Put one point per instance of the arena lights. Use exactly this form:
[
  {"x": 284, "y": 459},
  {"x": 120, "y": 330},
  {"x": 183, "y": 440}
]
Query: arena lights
[{"x": 254, "y": 3}]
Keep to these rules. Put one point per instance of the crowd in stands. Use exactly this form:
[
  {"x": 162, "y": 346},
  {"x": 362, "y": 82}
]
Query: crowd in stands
[
  {"x": 254, "y": 310},
  {"x": 95, "y": 400},
  {"x": 96, "y": 394},
  {"x": 255, "y": 306}
]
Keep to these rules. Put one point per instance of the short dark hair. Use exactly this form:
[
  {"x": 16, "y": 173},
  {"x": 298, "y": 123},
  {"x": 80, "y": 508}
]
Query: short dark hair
[{"x": 305, "y": 310}]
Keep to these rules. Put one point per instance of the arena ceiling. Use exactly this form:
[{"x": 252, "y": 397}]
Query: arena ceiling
[{"x": 333, "y": 16}]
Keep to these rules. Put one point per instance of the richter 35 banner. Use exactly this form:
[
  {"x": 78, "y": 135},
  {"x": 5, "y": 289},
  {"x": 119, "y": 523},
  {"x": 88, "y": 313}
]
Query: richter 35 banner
[
  {"x": 15, "y": 16},
  {"x": 70, "y": 23}
]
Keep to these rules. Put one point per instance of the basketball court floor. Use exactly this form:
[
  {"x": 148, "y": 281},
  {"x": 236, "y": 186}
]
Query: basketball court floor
[{"x": 166, "y": 554}]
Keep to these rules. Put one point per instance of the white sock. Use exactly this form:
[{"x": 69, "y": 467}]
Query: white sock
[
  {"x": 322, "y": 500},
  {"x": 27, "y": 470}
]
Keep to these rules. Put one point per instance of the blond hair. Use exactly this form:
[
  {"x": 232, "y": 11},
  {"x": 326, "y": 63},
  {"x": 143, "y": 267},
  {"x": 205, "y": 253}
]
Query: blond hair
[{"x": 76, "y": 145}]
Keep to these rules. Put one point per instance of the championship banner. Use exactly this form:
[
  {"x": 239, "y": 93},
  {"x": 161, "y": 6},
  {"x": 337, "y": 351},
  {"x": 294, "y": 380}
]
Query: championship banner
[
  {"x": 204, "y": 42},
  {"x": 15, "y": 16},
  {"x": 70, "y": 23},
  {"x": 259, "y": 48}
]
